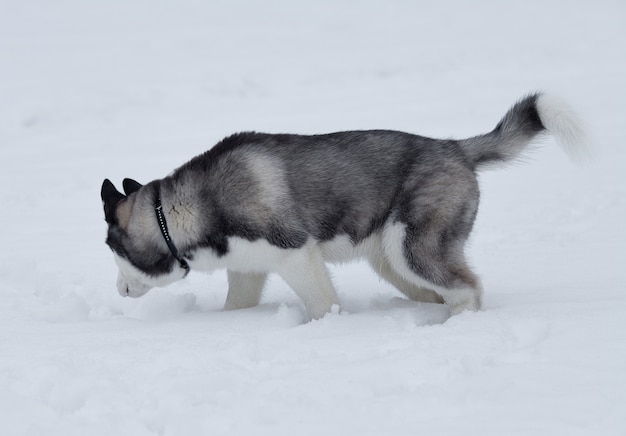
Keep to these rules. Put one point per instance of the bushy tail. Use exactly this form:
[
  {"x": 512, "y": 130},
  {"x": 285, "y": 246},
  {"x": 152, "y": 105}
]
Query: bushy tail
[{"x": 528, "y": 118}]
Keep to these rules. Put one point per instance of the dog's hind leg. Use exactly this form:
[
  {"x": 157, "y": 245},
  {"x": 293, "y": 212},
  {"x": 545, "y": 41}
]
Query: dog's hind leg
[
  {"x": 380, "y": 265},
  {"x": 304, "y": 270},
  {"x": 420, "y": 257},
  {"x": 244, "y": 289}
]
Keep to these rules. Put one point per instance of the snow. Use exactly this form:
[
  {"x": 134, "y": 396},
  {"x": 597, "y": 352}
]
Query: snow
[{"x": 134, "y": 88}]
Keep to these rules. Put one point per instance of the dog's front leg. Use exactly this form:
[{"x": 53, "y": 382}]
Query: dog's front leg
[
  {"x": 304, "y": 270},
  {"x": 244, "y": 289}
]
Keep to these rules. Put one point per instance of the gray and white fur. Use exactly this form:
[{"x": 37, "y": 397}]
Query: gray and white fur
[{"x": 260, "y": 203}]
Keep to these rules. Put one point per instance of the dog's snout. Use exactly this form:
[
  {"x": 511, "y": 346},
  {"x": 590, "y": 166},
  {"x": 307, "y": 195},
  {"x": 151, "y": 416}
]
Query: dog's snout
[
  {"x": 122, "y": 286},
  {"x": 130, "y": 288}
]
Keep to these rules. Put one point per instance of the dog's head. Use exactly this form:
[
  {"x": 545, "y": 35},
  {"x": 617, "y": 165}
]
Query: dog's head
[{"x": 141, "y": 253}]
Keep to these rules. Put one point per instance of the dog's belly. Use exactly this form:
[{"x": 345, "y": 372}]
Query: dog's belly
[
  {"x": 261, "y": 256},
  {"x": 341, "y": 249}
]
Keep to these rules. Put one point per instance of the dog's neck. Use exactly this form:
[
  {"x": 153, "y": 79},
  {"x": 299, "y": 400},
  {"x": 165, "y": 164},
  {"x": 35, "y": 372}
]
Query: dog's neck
[{"x": 181, "y": 211}]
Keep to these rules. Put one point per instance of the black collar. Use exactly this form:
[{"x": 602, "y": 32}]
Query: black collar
[{"x": 166, "y": 235}]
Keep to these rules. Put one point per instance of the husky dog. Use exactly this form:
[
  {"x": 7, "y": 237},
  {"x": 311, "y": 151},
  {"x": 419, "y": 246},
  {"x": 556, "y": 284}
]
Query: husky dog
[{"x": 260, "y": 203}]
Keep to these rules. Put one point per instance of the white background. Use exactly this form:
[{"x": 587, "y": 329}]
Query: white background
[{"x": 125, "y": 88}]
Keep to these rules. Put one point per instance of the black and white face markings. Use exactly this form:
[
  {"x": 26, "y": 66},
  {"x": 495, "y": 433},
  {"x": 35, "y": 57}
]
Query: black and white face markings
[{"x": 143, "y": 262}]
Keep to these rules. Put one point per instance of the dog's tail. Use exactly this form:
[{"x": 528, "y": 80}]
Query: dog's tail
[{"x": 531, "y": 116}]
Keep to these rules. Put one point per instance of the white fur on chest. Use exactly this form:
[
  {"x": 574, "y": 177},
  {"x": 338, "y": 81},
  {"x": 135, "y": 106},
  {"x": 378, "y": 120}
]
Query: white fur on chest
[{"x": 261, "y": 256}]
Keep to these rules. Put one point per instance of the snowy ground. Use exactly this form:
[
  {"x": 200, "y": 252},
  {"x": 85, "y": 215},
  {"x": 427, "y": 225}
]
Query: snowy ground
[{"x": 124, "y": 88}]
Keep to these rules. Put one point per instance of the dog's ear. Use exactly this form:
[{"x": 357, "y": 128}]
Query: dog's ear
[
  {"x": 110, "y": 199},
  {"x": 131, "y": 186}
]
